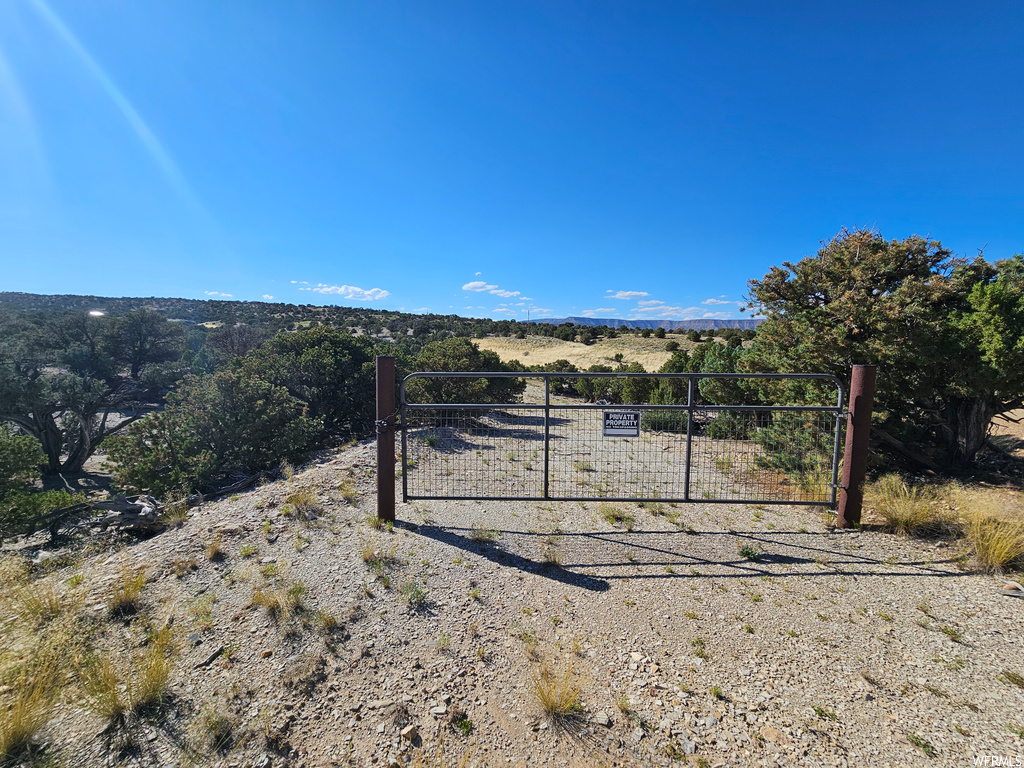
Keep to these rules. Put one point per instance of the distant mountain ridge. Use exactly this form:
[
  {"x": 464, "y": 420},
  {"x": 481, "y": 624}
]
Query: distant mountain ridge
[
  {"x": 281, "y": 313},
  {"x": 700, "y": 324}
]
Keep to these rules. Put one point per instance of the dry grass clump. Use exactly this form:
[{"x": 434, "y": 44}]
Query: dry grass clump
[
  {"x": 124, "y": 599},
  {"x": 907, "y": 509},
  {"x": 40, "y": 602},
  {"x": 33, "y": 692},
  {"x": 218, "y": 729},
  {"x": 174, "y": 512},
  {"x": 303, "y": 504},
  {"x": 348, "y": 491},
  {"x": 994, "y": 525},
  {"x": 377, "y": 557},
  {"x": 326, "y": 621},
  {"x": 482, "y": 534},
  {"x": 183, "y": 565},
  {"x": 114, "y": 690},
  {"x": 560, "y": 696},
  {"x": 998, "y": 544},
  {"x": 440, "y": 758},
  {"x": 213, "y": 550},
  {"x": 280, "y": 601},
  {"x": 550, "y": 555},
  {"x": 991, "y": 519},
  {"x": 615, "y": 514}
]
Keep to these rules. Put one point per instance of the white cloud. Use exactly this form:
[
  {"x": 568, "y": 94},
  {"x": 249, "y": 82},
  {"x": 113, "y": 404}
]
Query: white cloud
[
  {"x": 598, "y": 311},
  {"x": 719, "y": 301},
  {"x": 526, "y": 298},
  {"x": 505, "y": 310},
  {"x": 628, "y": 295},
  {"x": 422, "y": 309},
  {"x": 349, "y": 292},
  {"x": 218, "y": 293},
  {"x": 478, "y": 274},
  {"x": 650, "y": 303},
  {"x": 503, "y": 293},
  {"x": 267, "y": 297},
  {"x": 478, "y": 285}
]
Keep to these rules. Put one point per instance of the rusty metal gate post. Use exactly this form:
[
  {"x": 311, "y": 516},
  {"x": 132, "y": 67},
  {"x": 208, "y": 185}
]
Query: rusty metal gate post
[
  {"x": 385, "y": 423},
  {"x": 855, "y": 456}
]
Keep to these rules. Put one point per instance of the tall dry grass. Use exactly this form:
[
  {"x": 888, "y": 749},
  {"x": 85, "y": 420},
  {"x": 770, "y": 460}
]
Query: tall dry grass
[
  {"x": 34, "y": 691},
  {"x": 124, "y": 595},
  {"x": 993, "y": 524},
  {"x": 113, "y": 689},
  {"x": 910, "y": 510},
  {"x": 560, "y": 696},
  {"x": 991, "y": 520}
]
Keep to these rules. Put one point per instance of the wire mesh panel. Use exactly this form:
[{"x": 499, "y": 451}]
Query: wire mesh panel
[
  {"x": 763, "y": 456},
  {"x": 585, "y": 464},
  {"x": 474, "y": 453},
  {"x": 668, "y": 451}
]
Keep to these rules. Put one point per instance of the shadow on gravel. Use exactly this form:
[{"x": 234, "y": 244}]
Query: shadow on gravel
[
  {"x": 783, "y": 554},
  {"x": 503, "y": 557}
]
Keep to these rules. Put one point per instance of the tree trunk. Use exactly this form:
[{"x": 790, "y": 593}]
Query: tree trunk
[
  {"x": 966, "y": 428},
  {"x": 81, "y": 449},
  {"x": 45, "y": 430}
]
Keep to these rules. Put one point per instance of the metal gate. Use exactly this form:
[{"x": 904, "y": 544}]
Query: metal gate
[{"x": 663, "y": 439}]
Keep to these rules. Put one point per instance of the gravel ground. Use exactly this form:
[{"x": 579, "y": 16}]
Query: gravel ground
[{"x": 830, "y": 648}]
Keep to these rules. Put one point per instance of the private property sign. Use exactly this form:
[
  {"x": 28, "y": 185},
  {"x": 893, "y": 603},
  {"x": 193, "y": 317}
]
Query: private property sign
[{"x": 621, "y": 423}]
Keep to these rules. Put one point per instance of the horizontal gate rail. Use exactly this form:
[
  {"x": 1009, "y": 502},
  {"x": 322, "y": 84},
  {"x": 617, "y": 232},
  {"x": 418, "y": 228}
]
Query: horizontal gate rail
[{"x": 512, "y": 426}]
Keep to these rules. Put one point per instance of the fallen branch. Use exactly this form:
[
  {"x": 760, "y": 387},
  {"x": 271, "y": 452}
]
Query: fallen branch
[
  {"x": 892, "y": 442},
  {"x": 139, "y": 513},
  {"x": 245, "y": 482}
]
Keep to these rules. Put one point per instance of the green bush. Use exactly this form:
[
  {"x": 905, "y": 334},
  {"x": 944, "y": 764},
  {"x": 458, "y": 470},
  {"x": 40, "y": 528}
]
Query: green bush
[
  {"x": 593, "y": 389},
  {"x": 665, "y": 420},
  {"x": 462, "y": 355},
  {"x": 227, "y": 421},
  {"x": 20, "y": 461},
  {"x": 731, "y": 425},
  {"x": 327, "y": 369},
  {"x": 796, "y": 443},
  {"x": 21, "y": 506}
]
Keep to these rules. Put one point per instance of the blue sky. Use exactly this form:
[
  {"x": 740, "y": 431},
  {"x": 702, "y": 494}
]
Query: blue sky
[{"x": 493, "y": 159}]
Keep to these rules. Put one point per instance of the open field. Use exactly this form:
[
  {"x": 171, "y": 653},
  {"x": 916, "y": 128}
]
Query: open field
[
  {"x": 524, "y": 634},
  {"x": 540, "y": 350}
]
